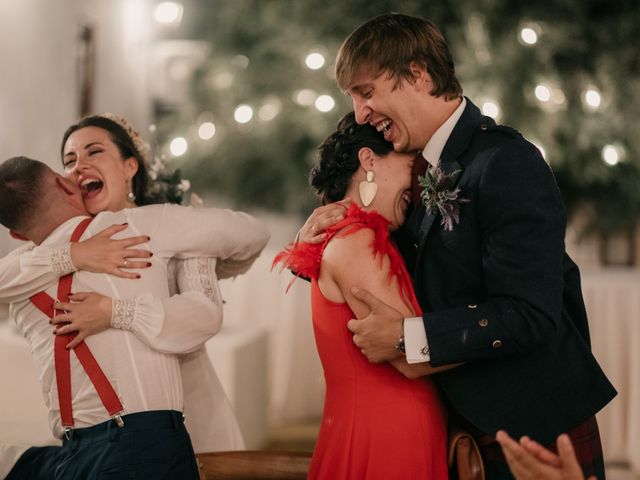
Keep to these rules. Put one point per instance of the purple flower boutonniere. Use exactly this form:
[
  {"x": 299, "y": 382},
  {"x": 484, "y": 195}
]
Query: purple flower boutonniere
[{"x": 440, "y": 196}]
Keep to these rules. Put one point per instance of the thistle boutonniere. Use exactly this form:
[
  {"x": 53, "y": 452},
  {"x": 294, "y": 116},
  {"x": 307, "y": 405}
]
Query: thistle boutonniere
[{"x": 441, "y": 196}]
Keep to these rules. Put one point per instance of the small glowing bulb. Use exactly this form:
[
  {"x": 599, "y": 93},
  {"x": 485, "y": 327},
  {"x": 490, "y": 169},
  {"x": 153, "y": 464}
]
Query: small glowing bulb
[
  {"x": 168, "y": 12},
  {"x": 557, "y": 96},
  {"x": 314, "y": 61},
  {"x": 491, "y": 109},
  {"x": 325, "y": 103},
  {"x": 243, "y": 114},
  {"x": 240, "y": 61},
  {"x": 592, "y": 98},
  {"x": 223, "y": 80},
  {"x": 178, "y": 146},
  {"x": 305, "y": 97},
  {"x": 543, "y": 93},
  {"x": 269, "y": 110},
  {"x": 207, "y": 130},
  {"x": 529, "y": 36},
  {"x": 610, "y": 155}
]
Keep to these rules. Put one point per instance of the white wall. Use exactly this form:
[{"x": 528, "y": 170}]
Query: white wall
[{"x": 39, "y": 92}]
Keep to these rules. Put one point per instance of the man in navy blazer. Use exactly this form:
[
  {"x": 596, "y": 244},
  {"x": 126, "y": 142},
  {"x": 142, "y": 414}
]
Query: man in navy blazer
[{"x": 501, "y": 298}]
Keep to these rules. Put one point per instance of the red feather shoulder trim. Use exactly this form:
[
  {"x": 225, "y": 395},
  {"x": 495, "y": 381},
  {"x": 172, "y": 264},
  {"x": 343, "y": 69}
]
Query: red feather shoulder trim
[{"x": 304, "y": 258}]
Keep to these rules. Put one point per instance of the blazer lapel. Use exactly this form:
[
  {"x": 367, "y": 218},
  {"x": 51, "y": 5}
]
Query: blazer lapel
[{"x": 456, "y": 145}]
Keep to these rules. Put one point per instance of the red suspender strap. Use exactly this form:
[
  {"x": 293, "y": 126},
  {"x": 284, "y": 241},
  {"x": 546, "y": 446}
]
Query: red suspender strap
[{"x": 61, "y": 355}]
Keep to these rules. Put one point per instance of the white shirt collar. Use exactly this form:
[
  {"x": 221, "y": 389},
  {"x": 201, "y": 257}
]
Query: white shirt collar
[{"x": 438, "y": 140}]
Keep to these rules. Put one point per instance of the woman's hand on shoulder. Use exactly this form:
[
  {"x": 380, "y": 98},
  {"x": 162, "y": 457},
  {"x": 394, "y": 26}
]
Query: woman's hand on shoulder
[
  {"x": 322, "y": 217},
  {"x": 103, "y": 254}
]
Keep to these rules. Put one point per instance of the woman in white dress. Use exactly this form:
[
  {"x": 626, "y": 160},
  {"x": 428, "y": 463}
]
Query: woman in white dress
[{"x": 107, "y": 159}]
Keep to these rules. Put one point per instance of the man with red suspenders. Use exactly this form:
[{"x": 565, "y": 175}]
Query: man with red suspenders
[{"x": 115, "y": 402}]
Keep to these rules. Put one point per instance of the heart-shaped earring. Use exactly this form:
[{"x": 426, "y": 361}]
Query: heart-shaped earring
[{"x": 368, "y": 189}]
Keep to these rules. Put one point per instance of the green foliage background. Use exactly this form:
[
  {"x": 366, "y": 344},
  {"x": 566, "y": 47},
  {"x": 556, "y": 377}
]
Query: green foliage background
[{"x": 580, "y": 43}]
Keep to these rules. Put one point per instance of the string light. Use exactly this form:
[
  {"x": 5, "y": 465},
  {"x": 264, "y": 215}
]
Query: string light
[
  {"x": 325, "y": 103},
  {"x": 207, "y": 130},
  {"x": 178, "y": 146},
  {"x": 168, "y": 13},
  {"x": 270, "y": 110},
  {"x": 543, "y": 93},
  {"x": 314, "y": 61},
  {"x": 592, "y": 98},
  {"x": 304, "y": 97},
  {"x": 223, "y": 80},
  {"x": 243, "y": 114},
  {"x": 612, "y": 154},
  {"x": 491, "y": 109},
  {"x": 528, "y": 36},
  {"x": 240, "y": 61},
  {"x": 557, "y": 96}
]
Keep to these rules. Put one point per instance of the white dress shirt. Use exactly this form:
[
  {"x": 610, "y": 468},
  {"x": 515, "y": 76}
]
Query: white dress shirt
[
  {"x": 145, "y": 379},
  {"x": 415, "y": 337}
]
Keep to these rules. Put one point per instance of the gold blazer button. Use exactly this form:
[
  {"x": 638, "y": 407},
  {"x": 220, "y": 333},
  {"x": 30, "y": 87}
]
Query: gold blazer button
[{"x": 497, "y": 344}]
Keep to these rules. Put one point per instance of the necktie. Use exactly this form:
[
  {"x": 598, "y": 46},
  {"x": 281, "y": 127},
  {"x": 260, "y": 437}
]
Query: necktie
[{"x": 419, "y": 168}]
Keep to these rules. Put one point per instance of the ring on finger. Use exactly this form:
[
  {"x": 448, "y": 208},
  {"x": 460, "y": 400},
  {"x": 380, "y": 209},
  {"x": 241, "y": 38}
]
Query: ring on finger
[{"x": 125, "y": 263}]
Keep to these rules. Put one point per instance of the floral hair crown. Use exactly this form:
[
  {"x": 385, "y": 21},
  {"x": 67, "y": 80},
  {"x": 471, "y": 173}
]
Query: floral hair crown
[{"x": 140, "y": 145}]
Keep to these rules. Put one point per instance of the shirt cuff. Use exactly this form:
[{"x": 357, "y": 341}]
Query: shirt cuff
[
  {"x": 123, "y": 312},
  {"x": 415, "y": 341},
  {"x": 61, "y": 263}
]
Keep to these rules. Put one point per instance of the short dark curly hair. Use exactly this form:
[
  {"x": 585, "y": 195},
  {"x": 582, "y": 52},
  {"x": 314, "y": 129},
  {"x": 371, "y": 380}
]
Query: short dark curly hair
[{"x": 338, "y": 157}]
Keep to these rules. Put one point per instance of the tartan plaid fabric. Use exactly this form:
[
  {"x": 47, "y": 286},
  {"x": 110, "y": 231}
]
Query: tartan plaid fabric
[{"x": 586, "y": 443}]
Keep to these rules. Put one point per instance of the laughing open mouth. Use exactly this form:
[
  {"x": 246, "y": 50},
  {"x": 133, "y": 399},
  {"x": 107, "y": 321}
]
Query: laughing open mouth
[
  {"x": 384, "y": 127},
  {"x": 91, "y": 187}
]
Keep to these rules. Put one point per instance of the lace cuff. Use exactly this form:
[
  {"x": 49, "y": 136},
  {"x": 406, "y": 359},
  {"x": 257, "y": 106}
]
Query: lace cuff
[
  {"x": 199, "y": 275},
  {"x": 61, "y": 263},
  {"x": 123, "y": 313},
  {"x": 205, "y": 273}
]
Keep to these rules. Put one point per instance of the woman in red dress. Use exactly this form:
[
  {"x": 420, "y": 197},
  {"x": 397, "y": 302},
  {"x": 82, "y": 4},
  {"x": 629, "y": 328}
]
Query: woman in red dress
[{"x": 380, "y": 421}]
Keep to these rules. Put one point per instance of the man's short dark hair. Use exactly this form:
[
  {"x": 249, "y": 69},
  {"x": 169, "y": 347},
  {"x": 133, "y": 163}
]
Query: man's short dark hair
[{"x": 21, "y": 181}]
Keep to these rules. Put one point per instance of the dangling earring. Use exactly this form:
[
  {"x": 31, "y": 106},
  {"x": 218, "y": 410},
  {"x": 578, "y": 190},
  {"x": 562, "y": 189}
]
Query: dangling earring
[
  {"x": 368, "y": 189},
  {"x": 131, "y": 198}
]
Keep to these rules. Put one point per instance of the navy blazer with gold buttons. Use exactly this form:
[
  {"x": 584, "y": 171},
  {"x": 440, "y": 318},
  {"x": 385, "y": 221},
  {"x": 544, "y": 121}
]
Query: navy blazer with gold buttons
[{"x": 499, "y": 292}]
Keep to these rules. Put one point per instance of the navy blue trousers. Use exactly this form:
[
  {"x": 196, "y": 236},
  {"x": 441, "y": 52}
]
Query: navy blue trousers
[
  {"x": 37, "y": 463},
  {"x": 150, "y": 445}
]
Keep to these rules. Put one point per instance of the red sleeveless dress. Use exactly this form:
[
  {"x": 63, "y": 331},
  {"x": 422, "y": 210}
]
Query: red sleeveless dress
[{"x": 376, "y": 423}]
